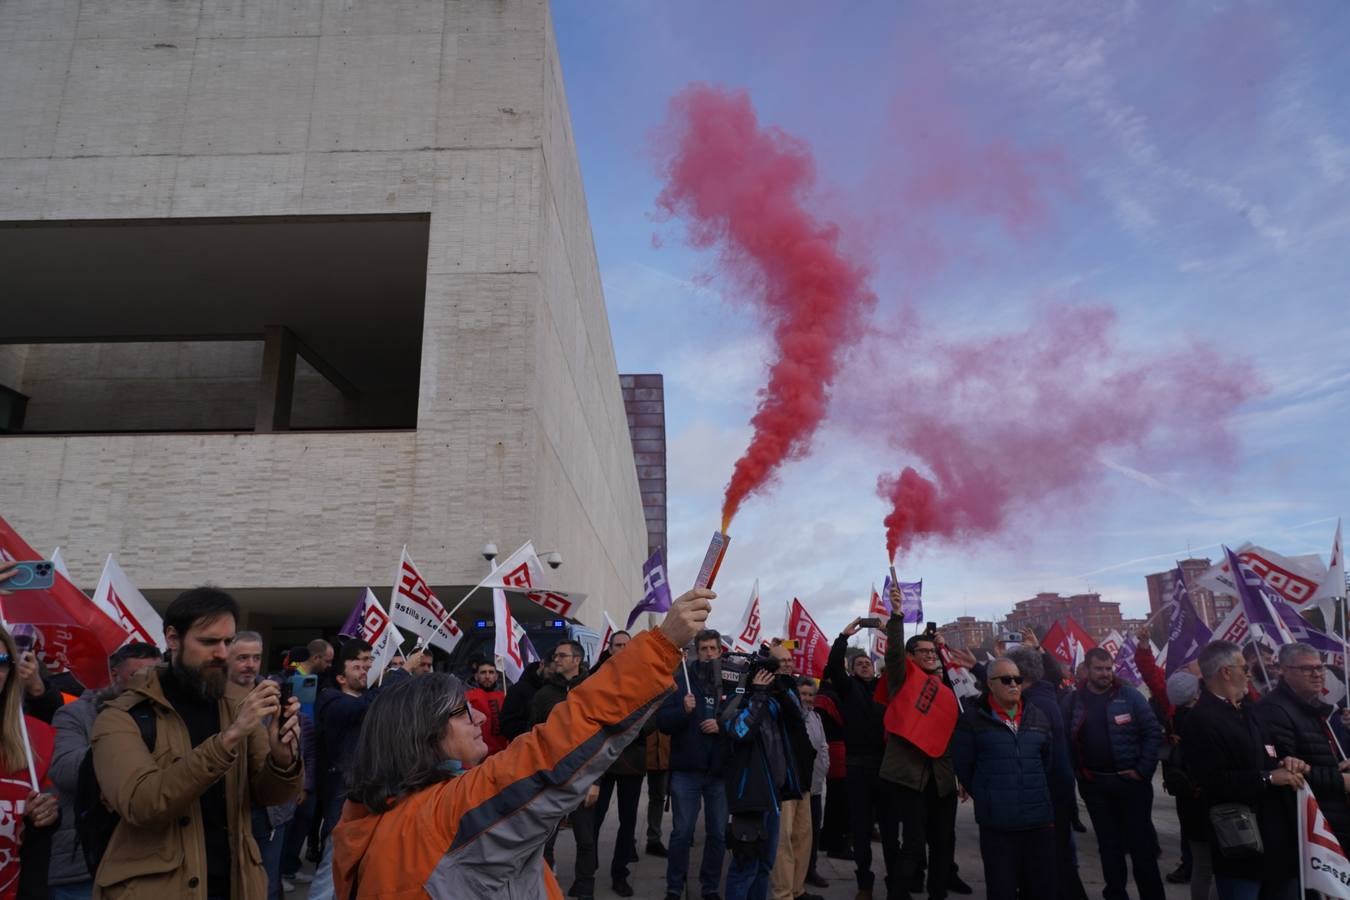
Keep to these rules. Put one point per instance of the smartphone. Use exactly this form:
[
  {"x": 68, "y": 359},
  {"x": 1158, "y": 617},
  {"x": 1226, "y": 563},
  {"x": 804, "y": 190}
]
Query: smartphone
[
  {"x": 24, "y": 642},
  {"x": 869, "y": 623},
  {"x": 930, "y": 629},
  {"x": 35, "y": 575},
  {"x": 303, "y": 687},
  {"x": 1010, "y": 638}
]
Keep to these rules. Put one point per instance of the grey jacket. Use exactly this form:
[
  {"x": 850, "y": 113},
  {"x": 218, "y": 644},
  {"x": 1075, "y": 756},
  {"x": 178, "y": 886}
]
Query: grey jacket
[{"x": 74, "y": 723}]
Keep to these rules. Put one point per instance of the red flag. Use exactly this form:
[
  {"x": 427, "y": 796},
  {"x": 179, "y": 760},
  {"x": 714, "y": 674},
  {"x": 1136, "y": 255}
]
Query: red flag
[
  {"x": 813, "y": 648},
  {"x": 77, "y": 635},
  {"x": 1068, "y": 642}
]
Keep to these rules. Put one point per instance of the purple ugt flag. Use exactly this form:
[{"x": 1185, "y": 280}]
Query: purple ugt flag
[
  {"x": 352, "y": 627},
  {"x": 1126, "y": 670},
  {"x": 1186, "y": 634},
  {"x": 911, "y": 599},
  {"x": 655, "y": 589}
]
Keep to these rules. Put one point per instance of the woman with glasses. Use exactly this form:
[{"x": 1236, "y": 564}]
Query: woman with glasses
[
  {"x": 29, "y": 815},
  {"x": 1003, "y": 751},
  {"x": 428, "y": 815}
]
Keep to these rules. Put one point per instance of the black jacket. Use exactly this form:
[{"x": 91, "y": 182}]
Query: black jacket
[
  {"x": 1009, "y": 773},
  {"x": 864, "y": 718},
  {"x": 690, "y": 749},
  {"x": 1302, "y": 730},
  {"x": 515, "y": 718},
  {"x": 768, "y": 736},
  {"x": 553, "y": 691},
  {"x": 1226, "y": 755}
]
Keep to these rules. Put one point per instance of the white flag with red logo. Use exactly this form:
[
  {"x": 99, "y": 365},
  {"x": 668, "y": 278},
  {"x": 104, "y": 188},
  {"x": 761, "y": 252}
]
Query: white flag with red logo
[
  {"x": 747, "y": 638},
  {"x": 523, "y": 572},
  {"x": 812, "y": 649},
  {"x": 1322, "y": 861},
  {"x": 121, "y": 601},
  {"x": 370, "y": 622},
  {"x": 878, "y": 608},
  {"x": 414, "y": 607},
  {"x": 963, "y": 680},
  {"x": 1333, "y": 586},
  {"x": 506, "y": 650},
  {"x": 1112, "y": 643},
  {"x": 1295, "y": 578}
]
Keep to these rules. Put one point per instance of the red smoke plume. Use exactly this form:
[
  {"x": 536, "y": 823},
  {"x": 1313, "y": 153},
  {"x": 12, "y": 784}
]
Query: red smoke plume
[
  {"x": 1013, "y": 421},
  {"x": 744, "y": 189}
]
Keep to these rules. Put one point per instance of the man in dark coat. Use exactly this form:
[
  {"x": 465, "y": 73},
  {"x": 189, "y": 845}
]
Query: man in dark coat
[
  {"x": 1003, "y": 752},
  {"x": 515, "y": 719},
  {"x": 1296, "y": 720},
  {"x": 1227, "y": 757}
]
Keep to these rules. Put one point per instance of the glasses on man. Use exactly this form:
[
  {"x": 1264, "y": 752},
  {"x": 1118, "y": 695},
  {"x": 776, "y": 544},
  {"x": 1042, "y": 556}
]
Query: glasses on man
[
  {"x": 925, "y": 652},
  {"x": 1310, "y": 671},
  {"x": 1008, "y": 680},
  {"x": 564, "y": 655}
]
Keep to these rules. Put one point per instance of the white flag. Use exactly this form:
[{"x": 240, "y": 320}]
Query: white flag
[
  {"x": 747, "y": 635},
  {"x": 610, "y": 628},
  {"x": 413, "y": 606},
  {"x": 60, "y": 562},
  {"x": 1322, "y": 862},
  {"x": 522, "y": 571},
  {"x": 377, "y": 631},
  {"x": 1112, "y": 643},
  {"x": 1333, "y": 586},
  {"x": 1295, "y": 578},
  {"x": 1233, "y": 628},
  {"x": 506, "y": 650},
  {"x": 120, "y": 600}
]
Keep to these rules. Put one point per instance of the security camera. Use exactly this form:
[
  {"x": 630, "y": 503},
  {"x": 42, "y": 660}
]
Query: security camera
[
  {"x": 489, "y": 552},
  {"x": 554, "y": 560}
]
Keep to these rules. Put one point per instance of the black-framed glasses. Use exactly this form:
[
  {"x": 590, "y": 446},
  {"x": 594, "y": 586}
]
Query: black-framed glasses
[
  {"x": 461, "y": 710},
  {"x": 1008, "y": 680},
  {"x": 925, "y": 652},
  {"x": 1307, "y": 670}
]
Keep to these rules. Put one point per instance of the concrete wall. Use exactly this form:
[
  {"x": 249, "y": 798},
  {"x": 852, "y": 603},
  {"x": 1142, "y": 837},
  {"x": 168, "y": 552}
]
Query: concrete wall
[{"x": 163, "y": 108}]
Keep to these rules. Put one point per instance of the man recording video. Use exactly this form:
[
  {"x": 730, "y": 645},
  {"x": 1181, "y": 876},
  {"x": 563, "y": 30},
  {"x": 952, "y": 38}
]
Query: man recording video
[{"x": 765, "y": 722}]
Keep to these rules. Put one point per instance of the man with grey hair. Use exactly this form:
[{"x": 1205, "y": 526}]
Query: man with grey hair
[
  {"x": 1232, "y": 762},
  {"x": 1004, "y": 757},
  {"x": 1299, "y": 723}
]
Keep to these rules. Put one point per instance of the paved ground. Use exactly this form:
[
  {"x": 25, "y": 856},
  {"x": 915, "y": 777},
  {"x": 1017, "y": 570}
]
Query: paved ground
[{"x": 649, "y": 878}]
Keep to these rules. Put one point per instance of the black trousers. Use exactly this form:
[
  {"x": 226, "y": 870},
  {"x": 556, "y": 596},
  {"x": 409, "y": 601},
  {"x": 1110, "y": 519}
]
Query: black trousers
[
  {"x": 834, "y": 826},
  {"x": 817, "y": 814},
  {"x": 865, "y": 807},
  {"x": 583, "y": 832},
  {"x": 658, "y": 787},
  {"x": 1066, "y": 859},
  {"x": 1019, "y": 865},
  {"x": 1122, "y": 815},
  {"x": 629, "y": 789},
  {"x": 929, "y": 823}
]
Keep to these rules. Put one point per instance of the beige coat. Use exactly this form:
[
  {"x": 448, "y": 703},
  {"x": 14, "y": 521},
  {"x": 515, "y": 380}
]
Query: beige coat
[{"x": 159, "y": 850}]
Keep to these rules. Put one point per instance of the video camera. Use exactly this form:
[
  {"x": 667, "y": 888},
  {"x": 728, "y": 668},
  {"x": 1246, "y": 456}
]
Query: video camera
[{"x": 739, "y": 668}]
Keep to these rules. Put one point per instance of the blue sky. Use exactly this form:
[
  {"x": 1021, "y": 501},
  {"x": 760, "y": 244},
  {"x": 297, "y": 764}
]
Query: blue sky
[{"x": 1188, "y": 168}]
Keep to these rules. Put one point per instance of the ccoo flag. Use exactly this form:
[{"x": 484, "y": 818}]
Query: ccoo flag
[
  {"x": 655, "y": 589},
  {"x": 747, "y": 638},
  {"x": 1186, "y": 634},
  {"x": 813, "y": 648},
  {"x": 417, "y": 609},
  {"x": 1323, "y": 866},
  {"x": 369, "y": 622},
  {"x": 120, "y": 599}
]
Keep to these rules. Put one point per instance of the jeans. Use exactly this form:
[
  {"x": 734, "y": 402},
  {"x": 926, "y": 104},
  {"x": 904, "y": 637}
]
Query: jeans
[
  {"x": 687, "y": 790},
  {"x": 1018, "y": 863},
  {"x": 269, "y": 847},
  {"x": 321, "y": 888},
  {"x": 1242, "y": 889},
  {"x": 1202, "y": 872},
  {"x": 748, "y": 879},
  {"x": 930, "y": 829},
  {"x": 297, "y": 830},
  {"x": 1121, "y": 811},
  {"x": 583, "y": 832},
  {"x": 658, "y": 788},
  {"x": 625, "y": 843},
  {"x": 864, "y": 808},
  {"x": 81, "y": 891}
]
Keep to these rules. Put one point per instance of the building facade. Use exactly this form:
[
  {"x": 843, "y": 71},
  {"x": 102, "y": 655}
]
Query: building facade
[
  {"x": 1097, "y": 616},
  {"x": 968, "y": 633},
  {"x": 1210, "y": 607},
  {"x": 287, "y": 286}
]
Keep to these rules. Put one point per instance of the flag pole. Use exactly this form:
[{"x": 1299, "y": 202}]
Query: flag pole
[{"x": 23, "y": 725}]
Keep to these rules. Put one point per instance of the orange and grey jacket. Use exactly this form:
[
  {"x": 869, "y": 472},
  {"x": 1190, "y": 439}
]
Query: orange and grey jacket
[{"x": 482, "y": 834}]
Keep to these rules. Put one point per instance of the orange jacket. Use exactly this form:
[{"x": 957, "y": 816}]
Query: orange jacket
[{"x": 482, "y": 834}]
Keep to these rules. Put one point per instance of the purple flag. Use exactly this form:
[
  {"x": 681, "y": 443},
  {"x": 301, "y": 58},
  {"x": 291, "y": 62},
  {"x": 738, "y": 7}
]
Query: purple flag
[
  {"x": 1126, "y": 670},
  {"x": 655, "y": 589},
  {"x": 911, "y": 599},
  {"x": 1262, "y": 604},
  {"x": 352, "y": 627},
  {"x": 1186, "y": 634}
]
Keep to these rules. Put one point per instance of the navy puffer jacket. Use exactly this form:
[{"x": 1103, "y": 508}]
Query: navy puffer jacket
[
  {"x": 1131, "y": 726},
  {"x": 690, "y": 749},
  {"x": 1008, "y": 773}
]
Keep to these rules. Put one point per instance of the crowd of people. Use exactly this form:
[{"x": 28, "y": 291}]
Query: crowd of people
[{"x": 197, "y": 774}]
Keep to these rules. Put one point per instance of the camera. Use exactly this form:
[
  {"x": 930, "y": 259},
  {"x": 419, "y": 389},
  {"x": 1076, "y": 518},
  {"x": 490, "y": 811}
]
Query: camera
[{"x": 740, "y": 668}]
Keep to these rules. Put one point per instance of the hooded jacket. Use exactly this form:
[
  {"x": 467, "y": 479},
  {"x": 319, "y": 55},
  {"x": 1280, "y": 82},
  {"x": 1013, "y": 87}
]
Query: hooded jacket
[
  {"x": 482, "y": 833},
  {"x": 158, "y": 850}
]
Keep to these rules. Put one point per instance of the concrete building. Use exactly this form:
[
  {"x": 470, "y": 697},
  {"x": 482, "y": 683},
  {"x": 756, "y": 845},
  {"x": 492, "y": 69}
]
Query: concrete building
[
  {"x": 285, "y": 286},
  {"x": 1097, "y": 616},
  {"x": 1210, "y": 607}
]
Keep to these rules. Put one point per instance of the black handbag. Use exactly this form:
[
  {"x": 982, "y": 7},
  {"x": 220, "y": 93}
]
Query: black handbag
[
  {"x": 746, "y": 836},
  {"x": 1236, "y": 830}
]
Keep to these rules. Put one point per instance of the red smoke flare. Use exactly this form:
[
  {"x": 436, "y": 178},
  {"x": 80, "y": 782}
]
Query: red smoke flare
[
  {"x": 743, "y": 189},
  {"x": 1012, "y": 422}
]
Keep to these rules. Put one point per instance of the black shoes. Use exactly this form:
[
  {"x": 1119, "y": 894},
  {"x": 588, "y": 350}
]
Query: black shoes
[
  {"x": 1180, "y": 875},
  {"x": 622, "y": 887},
  {"x": 656, "y": 848},
  {"x": 957, "y": 886}
]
